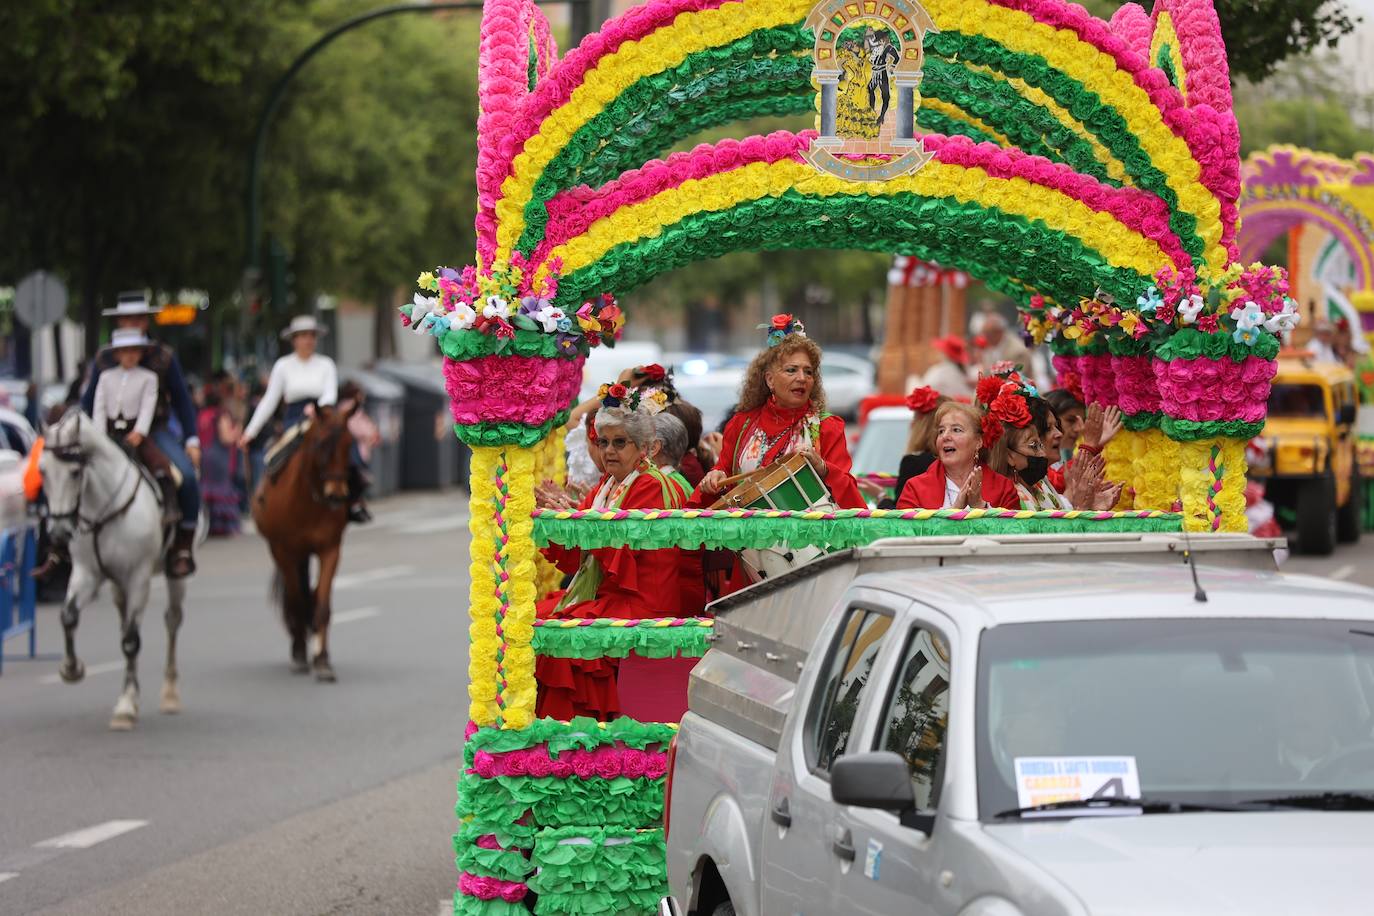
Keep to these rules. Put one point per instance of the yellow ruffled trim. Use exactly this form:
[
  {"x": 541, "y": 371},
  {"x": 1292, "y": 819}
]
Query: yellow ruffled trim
[
  {"x": 1165, "y": 33},
  {"x": 1120, "y": 458},
  {"x": 1020, "y": 32},
  {"x": 520, "y": 692},
  {"x": 1156, "y": 470},
  {"x": 483, "y": 605},
  {"x": 1119, "y": 245},
  {"x": 659, "y": 51}
]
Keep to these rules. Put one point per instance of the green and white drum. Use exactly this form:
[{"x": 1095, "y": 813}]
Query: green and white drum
[{"x": 790, "y": 484}]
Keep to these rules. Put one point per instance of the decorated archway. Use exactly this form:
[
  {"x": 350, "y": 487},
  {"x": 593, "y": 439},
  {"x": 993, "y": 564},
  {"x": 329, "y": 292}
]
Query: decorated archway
[
  {"x": 1285, "y": 187},
  {"x": 1089, "y": 170}
]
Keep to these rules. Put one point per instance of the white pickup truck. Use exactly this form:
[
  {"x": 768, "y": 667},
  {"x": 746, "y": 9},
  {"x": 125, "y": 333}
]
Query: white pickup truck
[{"x": 1028, "y": 726}]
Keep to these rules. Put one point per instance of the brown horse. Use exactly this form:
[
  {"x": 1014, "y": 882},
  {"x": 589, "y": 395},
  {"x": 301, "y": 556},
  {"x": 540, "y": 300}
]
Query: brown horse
[{"x": 302, "y": 510}]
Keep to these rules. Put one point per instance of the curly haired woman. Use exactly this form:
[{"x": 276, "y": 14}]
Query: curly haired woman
[{"x": 782, "y": 412}]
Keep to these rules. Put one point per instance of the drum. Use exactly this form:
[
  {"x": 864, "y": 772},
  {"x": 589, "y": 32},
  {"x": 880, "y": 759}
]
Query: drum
[{"x": 790, "y": 484}]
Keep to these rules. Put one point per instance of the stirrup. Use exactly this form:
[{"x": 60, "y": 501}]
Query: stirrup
[{"x": 180, "y": 564}]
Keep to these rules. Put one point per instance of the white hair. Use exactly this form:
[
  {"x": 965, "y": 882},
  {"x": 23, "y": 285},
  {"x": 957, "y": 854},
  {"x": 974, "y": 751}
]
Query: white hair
[
  {"x": 638, "y": 426},
  {"x": 672, "y": 432}
]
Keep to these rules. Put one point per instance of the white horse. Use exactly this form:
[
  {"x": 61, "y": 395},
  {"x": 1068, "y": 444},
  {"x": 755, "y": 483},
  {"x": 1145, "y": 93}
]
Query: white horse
[{"x": 103, "y": 505}]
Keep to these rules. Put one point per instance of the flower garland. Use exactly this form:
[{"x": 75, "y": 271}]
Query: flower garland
[
  {"x": 484, "y": 604},
  {"x": 782, "y": 326},
  {"x": 1003, "y": 398},
  {"x": 503, "y": 301}
]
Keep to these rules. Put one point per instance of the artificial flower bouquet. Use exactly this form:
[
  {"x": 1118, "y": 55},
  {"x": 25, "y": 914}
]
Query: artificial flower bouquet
[{"x": 512, "y": 358}]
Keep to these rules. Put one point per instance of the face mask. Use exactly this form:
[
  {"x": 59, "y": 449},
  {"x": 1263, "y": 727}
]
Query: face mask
[{"x": 1037, "y": 466}]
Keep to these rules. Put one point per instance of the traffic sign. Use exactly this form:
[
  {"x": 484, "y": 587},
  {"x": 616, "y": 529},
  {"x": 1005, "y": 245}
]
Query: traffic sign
[{"x": 40, "y": 300}]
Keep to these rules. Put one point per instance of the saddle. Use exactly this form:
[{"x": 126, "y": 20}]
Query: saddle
[{"x": 280, "y": 451}]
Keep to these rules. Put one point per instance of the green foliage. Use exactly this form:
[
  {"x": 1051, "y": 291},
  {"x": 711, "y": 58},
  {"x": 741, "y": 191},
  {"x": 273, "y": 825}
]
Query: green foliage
[
  {"x": 1306, "y": 104},
  {"x": 1261, "y": 33},
  {"x": 129, "y": 129}
]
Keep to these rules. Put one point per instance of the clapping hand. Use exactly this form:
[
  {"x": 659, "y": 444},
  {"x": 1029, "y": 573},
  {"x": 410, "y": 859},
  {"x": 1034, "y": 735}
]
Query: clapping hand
[
  {"x": 549, "y": 495},
  {"x": 1101, "y": 426},
  {"x": 1083, "y": 479},
  {"x": 1108, "y": 494},
  {"x": 971, "y": 494}
]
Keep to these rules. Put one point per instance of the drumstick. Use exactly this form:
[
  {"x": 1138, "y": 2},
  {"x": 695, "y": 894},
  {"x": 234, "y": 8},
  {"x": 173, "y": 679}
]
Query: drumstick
[{"x": 731, "y": 481}]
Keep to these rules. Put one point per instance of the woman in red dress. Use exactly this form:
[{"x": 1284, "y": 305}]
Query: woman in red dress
[
  {"x": 614, "y": 582},
  {"x": 782, "y": 412},
  {"x": 959, "y": 478}
]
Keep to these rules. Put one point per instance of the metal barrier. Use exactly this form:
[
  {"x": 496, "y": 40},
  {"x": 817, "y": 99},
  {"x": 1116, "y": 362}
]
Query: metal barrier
[{"x": 18, "y": 591}]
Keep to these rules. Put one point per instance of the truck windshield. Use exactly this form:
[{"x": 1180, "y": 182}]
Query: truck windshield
[
  {"x": 1296, "y": 401},
  {"x": 1208, "y": 711}
]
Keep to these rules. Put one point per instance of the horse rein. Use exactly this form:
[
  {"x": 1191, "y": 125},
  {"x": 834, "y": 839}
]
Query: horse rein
[{"x": 72, "y": 454}]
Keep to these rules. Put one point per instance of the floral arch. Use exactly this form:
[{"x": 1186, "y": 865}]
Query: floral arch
[
  {"x": 1285, "y": 186},
  {"x": 1088, "y": 169}
]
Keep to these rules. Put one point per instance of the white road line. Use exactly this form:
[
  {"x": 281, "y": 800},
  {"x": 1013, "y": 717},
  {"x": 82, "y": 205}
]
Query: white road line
[
  {"x": 362, "y": 613},
  {"x": 6, "y": 875},
  {"x": 85, "y": 839},
  {"x": 1343, "y": 572},
  {"x": 91, "y": 670},
  {"x": 372, "y": 575}
]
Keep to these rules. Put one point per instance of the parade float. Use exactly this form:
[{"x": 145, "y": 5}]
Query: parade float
[{"x": 1089, "y": 170}]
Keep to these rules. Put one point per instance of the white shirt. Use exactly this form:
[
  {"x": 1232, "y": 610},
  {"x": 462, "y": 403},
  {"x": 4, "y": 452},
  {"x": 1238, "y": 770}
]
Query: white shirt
[
  {"x": 295, "y": 379},
  {"x": 130, "y": 394},
  {"x": 951, "y": 493},
  {"x": 949, "y": 379},
  {"x": 581, "y": 469}
]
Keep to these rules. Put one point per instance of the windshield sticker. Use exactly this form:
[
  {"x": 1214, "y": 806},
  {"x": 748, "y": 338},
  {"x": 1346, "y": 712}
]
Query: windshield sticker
[{"x": 1047, "y": 780}]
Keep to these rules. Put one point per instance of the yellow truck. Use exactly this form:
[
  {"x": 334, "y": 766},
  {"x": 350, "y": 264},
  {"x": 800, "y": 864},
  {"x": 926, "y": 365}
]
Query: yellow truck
[{"x": 1306, "y": 454}]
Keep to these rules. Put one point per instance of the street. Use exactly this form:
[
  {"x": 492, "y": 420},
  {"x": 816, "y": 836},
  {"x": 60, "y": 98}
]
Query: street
[{"x": 270, "y": 793}]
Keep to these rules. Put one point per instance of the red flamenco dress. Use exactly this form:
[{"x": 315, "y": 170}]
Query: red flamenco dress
[
  {"x": 931, "y": 491},
  {"x": 629, "y": 586},
  {"x": 763, "y": 436}
]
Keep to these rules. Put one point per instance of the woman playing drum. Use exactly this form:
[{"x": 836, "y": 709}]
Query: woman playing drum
[
  {"x": 611, "y": 582},
  {"x": 782, "y": 412}
]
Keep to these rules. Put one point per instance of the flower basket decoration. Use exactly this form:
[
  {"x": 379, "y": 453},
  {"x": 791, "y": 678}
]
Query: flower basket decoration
[{"x": 512, "y": 358}]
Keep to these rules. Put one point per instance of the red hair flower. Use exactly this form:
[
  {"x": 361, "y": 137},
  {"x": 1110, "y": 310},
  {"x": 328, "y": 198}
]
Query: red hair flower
[
  {"x": 1011, "y": 409},
  {"x": 653, "y": 372},
  {"x": 923, "y": 400},
  {"x": 989, "y": 387},
  {"x": 618, "y": 392},
  {"x": 782, "y": 322},
  {"x": 992, "y": 430}
]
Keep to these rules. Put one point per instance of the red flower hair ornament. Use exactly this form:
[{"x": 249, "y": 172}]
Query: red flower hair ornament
[{"x": 923, "y": 400}]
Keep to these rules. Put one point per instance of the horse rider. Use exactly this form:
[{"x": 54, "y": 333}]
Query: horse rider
[
  {"x": 174, "y": 423},
  {"x": 302, "y": 379}
]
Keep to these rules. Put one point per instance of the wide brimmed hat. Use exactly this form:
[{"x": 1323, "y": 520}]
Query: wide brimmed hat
[
  {"x": 953, "y": 347},
  {"x": 131, "y": 305},
  {"x": 303, "y": 324},
  {"x": 128, "y": 337}
]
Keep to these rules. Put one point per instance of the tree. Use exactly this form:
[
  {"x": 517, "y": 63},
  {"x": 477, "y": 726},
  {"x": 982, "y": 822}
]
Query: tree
[
  {"x": 129, "y": 126},
  {"x": 1261, "y": 33}
]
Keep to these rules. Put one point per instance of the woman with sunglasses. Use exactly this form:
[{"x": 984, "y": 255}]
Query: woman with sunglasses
[{"x": 617, "y": 582}]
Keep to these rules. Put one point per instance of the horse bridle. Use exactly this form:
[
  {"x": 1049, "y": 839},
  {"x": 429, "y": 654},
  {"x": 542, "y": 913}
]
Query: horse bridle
[{"x": 72, "y": 454}]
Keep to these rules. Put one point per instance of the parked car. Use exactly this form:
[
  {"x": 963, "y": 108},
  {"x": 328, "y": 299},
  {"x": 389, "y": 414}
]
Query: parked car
[
  {"x": 1029, "y": 726},
  {"x": 882, "y": 440},
  {"x": 848, "y": 380},
  {"x": 1306, "y": 454},
  {"x": 714, "y": 393}
]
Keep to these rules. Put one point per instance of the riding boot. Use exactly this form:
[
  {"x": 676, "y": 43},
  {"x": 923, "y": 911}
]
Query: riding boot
[
  {"x": 357, "y": 487},
  {"x": 180, "y": 562},
  {"x": 170, "y": 512}
]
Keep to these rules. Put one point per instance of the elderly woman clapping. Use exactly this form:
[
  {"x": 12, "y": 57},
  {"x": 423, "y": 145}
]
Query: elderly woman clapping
[
  {"x": 959, "y": 478},
  {"x": 617, "y": 582}
]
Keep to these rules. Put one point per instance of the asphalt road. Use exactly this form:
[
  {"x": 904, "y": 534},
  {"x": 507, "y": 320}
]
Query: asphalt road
[{"x": 270, "y": 793}]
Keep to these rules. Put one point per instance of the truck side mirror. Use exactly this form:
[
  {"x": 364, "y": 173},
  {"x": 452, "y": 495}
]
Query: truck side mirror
[
  {"x": 1346, "y": 417},
  {"x": 879, "y": 779}
]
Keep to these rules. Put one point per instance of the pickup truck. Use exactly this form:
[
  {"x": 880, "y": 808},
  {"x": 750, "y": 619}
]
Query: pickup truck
[{"x": 1026, "y": 726}]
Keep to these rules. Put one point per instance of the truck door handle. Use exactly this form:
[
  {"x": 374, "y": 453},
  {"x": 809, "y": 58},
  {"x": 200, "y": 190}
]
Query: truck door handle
[
  {"x": 781, "y": 813},
  {"x": 843, "y": 846}
]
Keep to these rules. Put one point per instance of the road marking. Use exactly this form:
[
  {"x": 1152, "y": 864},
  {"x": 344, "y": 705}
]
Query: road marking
[
  {"x": 91, "y": 671},
  {"x": 85, "y": 839},
  {"x": 6, "y": 875},
  {"x": 372, "y": 575},
  {"x": 362, "y": 613},
  {"x": 1343, "y": 572}
]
